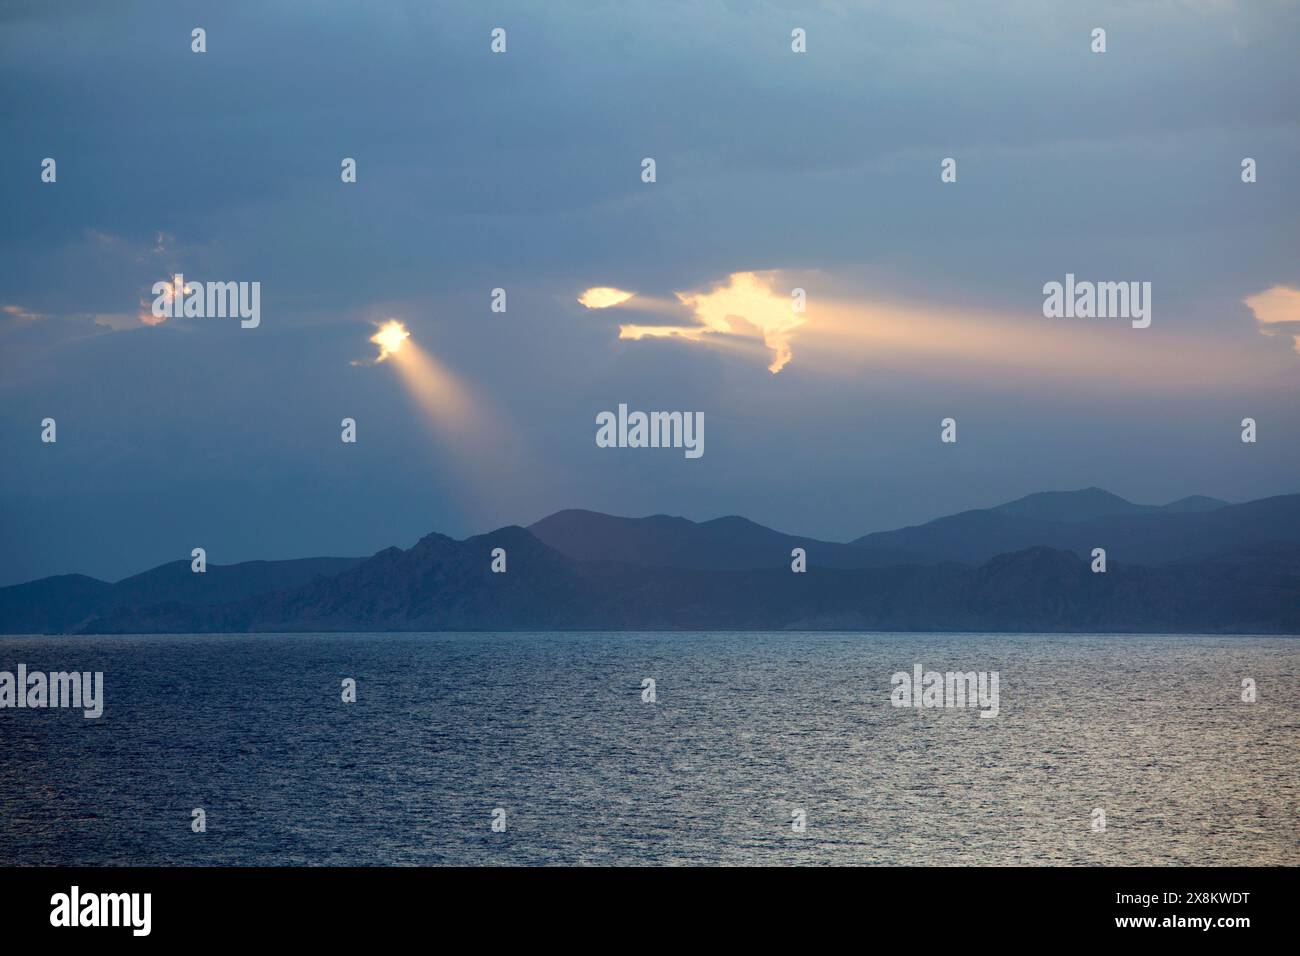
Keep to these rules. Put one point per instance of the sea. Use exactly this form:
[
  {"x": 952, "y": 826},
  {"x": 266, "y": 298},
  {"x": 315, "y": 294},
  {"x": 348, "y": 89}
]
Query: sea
[{"x": 625, "y": 748}]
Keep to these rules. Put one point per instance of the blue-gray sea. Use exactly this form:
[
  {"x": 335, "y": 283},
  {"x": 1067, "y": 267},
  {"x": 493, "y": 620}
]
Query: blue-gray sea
[{"x": 746, "y": 730}]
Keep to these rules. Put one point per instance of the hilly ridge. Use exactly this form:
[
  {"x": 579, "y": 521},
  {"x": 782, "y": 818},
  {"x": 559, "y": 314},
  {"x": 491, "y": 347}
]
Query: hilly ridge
[
  {"x": 442, "y": 585},
  {"x": 727, "y": 544},
  {"x": 1145, "y": 537},
  {"x": 1193, "y": 565},
  {"x": 66, "y": 601}
]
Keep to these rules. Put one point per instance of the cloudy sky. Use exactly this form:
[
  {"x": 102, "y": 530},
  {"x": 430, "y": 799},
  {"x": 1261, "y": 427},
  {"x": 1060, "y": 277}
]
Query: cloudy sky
[{"x": 523, "y": 171}]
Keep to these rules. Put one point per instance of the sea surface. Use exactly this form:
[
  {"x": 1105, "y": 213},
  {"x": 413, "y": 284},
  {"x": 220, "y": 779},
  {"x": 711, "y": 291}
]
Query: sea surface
[{"x": 746, "y": 729}]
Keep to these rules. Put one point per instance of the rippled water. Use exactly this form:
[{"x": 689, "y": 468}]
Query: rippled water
[{"x": 747, "y": 728}]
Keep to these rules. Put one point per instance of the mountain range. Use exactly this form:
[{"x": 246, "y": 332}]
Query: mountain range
[{"x": 1195, "y": 565}]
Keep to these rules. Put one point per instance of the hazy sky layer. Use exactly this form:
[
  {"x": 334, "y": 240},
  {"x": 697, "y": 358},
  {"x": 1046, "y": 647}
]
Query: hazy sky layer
[{"x": 523, "y": 171}]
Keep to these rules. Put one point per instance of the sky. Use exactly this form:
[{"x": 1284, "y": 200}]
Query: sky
[{"x": 523, "y": 171}]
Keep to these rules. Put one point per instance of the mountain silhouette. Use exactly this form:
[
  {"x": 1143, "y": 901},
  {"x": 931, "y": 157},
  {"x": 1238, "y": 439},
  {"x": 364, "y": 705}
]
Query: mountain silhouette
[
  {"x": 1184, "y": 529},
  {"x": 1193, "y": 566},
  {"x": 65, "y": 602},
  {"x": 1094, "y": 503},
  {"x": 723, "y": 544}
]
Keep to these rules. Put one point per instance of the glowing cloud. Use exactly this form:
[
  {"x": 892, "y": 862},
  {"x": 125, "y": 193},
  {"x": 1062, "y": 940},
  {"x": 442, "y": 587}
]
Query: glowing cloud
[
  {"x": 603, "y": 297},
  {"x": 1277, "y": 310},
  {"x": 390, "y": 338},
  {"x": 20, "y": 313},
  {"x": 747, "y": 306},
  {"x": 635, "y": 332}
]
